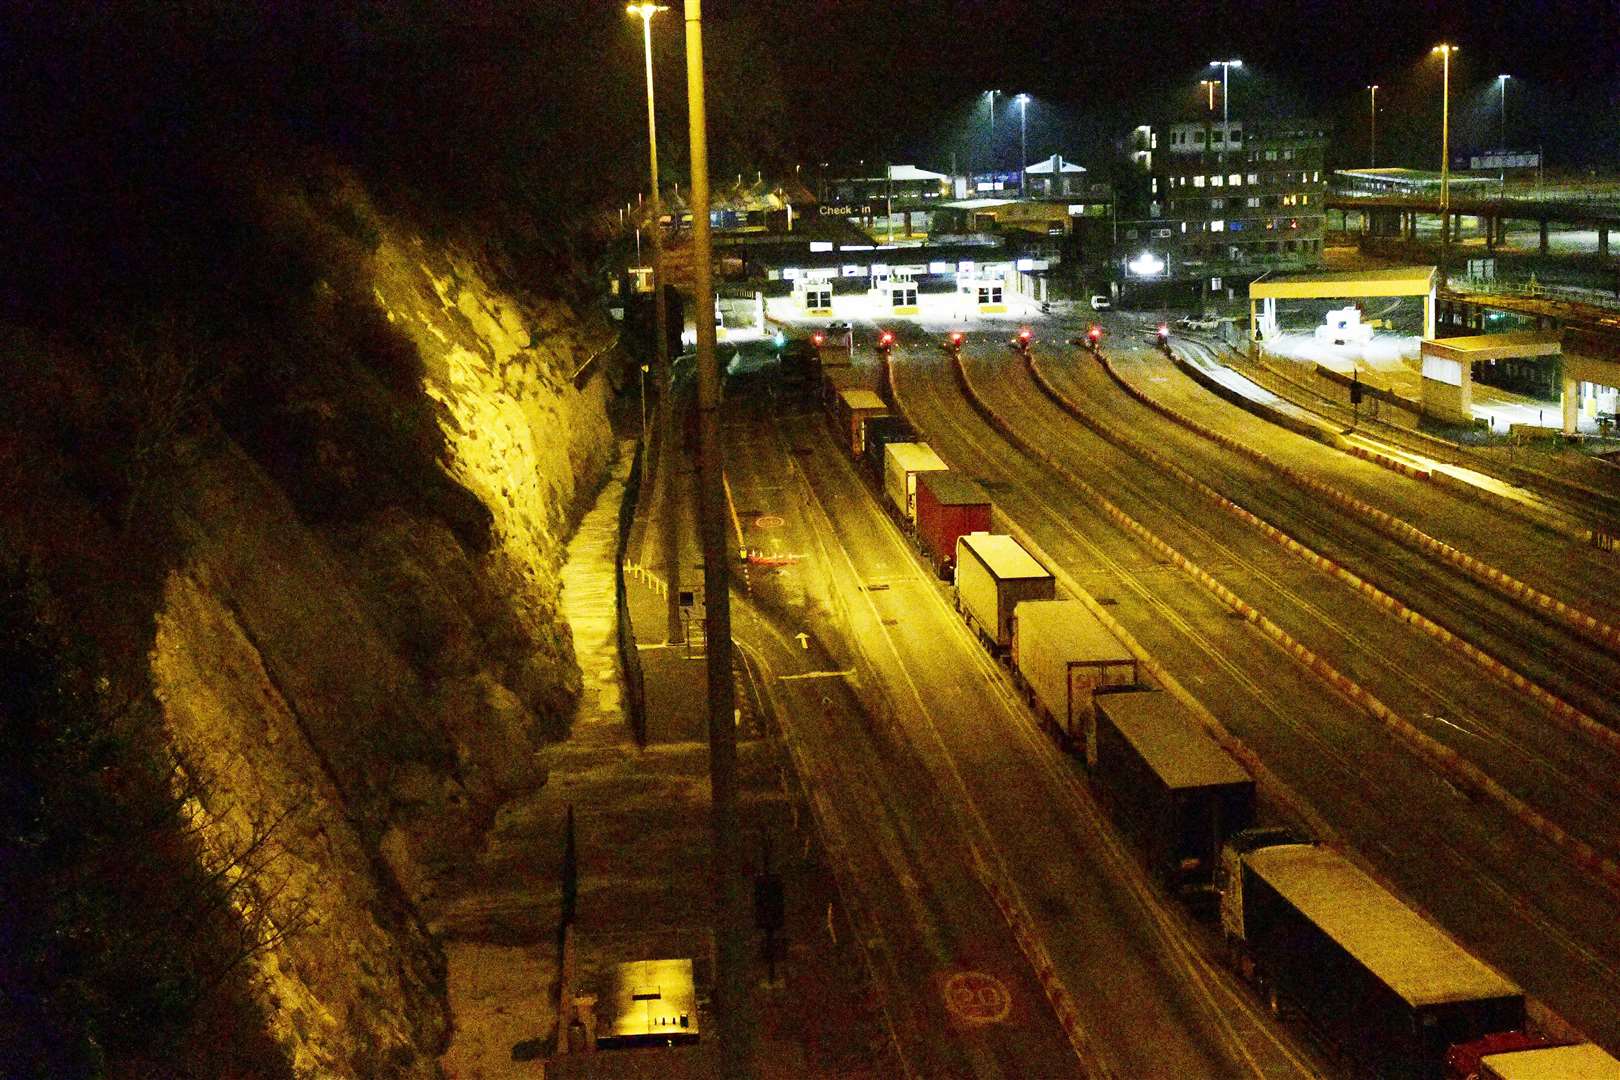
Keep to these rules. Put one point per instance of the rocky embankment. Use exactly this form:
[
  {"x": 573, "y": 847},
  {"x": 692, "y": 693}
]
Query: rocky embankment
[{"x": 350, "y": 627}]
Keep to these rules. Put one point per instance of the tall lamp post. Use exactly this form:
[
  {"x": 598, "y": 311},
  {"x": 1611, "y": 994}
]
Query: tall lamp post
[
  {"x": 1023, "y": 146},
  {"x": 666, "y": 423},
  {"x": 1226, "y": 67},
  {"x": 1445, "y": 52},
  {"x": 731, "y": 936},
  {"x": 1502, "y": 81},
  {"x": 990, "y": 97},
  {"x": 1372, "y": 126}
]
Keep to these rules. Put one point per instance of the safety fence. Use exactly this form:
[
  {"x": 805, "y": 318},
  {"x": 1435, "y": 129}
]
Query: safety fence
[{"x": 635, "y": 687}]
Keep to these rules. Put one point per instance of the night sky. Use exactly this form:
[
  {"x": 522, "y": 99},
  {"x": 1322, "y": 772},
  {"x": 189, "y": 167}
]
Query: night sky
[{"x": 113, "y": 108}]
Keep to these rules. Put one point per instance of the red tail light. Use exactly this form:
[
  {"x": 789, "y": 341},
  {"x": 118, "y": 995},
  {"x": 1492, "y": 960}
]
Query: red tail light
[{"x": 816, "y": 339}]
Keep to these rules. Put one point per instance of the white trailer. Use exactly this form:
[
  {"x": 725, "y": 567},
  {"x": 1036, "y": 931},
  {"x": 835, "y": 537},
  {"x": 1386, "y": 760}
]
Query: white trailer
[
  {"x": 1062, "y": 654},
  {"x": 1583, "y": 1060},
  {"x": 994, "y": 573},
  {"x": 902, "y": 461}
]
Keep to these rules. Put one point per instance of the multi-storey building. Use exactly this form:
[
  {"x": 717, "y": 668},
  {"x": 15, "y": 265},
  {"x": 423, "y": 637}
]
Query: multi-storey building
[{"x": 1244, "y": 194}]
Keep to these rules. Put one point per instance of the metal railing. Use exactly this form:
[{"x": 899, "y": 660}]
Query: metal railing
[
  {"x": 1533, "y": 290},
  {"x": 635, "y": 687}
]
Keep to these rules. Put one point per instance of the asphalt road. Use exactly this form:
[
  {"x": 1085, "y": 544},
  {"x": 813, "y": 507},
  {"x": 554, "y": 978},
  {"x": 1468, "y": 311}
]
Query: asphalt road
[
  {"x": 942, "y": 754},
  {"x": 1507, "y": 894}
]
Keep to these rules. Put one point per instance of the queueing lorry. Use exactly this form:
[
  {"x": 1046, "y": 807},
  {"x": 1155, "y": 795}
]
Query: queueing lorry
[
  {"x": 1579, "y": 1061},
  {"x": 1523, "y": 1055},
  {"x": 994, "y": 573},
  {"x": 1061, "y": 655},
  {"x": 949, "y": 506},
  {"x": 1174, "y": 791},
  {"x": 880, "y": 432},
  {"x": 1388, "y": 988},
  {"x": 903, "y": 463}
]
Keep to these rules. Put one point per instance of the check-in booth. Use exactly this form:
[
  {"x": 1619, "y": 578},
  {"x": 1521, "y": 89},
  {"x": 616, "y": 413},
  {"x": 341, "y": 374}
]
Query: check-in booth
[
  {"x": 894, "y": 289},
  {"x": 982, "y": 289},
  {"x": 1448, "y": 368},
  {"x": 813, "y": 291}
]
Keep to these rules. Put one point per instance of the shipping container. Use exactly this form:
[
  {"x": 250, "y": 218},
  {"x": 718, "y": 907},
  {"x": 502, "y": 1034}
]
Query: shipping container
[
  {"x": 903, "y": 463},
  {"x": 1386, "y": 987},
  {"x": 1582, "y": 1061},
  {"x": 1061, "y": 654},
  {"x": 949, "y": 506},
  {"x": 1175, "y": 792},
  {"x": 855, "y": 408},
  {"x": 880, "y": 432},
  {"x": 994, "y": 573}
]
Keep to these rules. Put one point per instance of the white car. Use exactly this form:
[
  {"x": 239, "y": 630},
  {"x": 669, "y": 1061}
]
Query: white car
[{"x": 1101, "y": 303}]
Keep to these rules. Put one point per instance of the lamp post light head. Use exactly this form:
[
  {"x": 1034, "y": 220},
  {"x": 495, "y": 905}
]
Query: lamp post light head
[
  {"x": 1226, "y": 63},
  {"x": 1023, "y": 99},
  {"x": 1444, "y": 50},
  {"x": 646, "y": 11}
]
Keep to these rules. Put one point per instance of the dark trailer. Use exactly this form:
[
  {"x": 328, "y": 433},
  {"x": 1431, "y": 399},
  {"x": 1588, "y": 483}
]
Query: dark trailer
[
  {"x": 1388, "y": 988},
  {"x": 1176, "y": 792}
]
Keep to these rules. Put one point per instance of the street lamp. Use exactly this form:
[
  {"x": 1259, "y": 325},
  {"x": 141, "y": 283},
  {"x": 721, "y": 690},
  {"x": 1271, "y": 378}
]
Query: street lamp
[
  {"x": 1445, "y": 52},
  {"x": 1210, "y": 85},
  {"x": 1023, "y": 148},
  {"x": 1372, "y": 127},
  {"x": 1502, "y": 81},
  {"x": 990, "y": 97},
  {"x": 666, "y": 427},
  {"x": 1226, "y": 67}
]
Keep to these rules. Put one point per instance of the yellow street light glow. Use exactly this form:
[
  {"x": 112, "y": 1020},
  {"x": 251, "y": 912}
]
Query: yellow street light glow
[{"x": 646, "y": 11}]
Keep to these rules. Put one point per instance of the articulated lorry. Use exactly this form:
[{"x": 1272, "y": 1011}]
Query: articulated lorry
[
  {"x": 903, "y": 463},
  {"x": 1172, "y": 789},
  {"x": 1061, "y": 655},
  {"x": 1387, "y": 988},
  {"x": 994, "y": 573}
]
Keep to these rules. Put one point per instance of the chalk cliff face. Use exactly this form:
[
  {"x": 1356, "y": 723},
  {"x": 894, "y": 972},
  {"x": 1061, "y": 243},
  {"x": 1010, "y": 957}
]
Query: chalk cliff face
[{"x": 354, "y": 693}]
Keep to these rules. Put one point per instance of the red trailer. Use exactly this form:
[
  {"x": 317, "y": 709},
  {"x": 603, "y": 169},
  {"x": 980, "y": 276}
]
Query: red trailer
[{"x": 949, "y": 505}]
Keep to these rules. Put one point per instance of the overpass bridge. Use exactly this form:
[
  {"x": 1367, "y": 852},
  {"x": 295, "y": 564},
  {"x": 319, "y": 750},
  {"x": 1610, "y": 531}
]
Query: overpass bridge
[{"x": 1396, "y": 215}]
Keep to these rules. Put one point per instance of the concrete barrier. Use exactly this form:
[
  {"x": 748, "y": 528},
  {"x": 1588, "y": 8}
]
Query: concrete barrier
[
  {"x": 1572, "y": 718},
  {"x": 1437, "y": 755},
  {"x": 1602, "y": 633}
]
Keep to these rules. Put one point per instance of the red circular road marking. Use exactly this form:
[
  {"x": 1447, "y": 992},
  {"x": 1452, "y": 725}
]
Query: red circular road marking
[
  {"x": 977, "y": 998},
  {"x": 768, "y": 521}
]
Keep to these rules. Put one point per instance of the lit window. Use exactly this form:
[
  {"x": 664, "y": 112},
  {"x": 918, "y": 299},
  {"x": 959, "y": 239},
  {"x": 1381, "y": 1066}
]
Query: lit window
[
  {"x": 1217, "y": 225},
  {"x": 1271, "y": 155},
  {"x": 1217, "y": 204},
  {"x": 1235, "y": 179},
  {"x": 1198, "y": 181},
  {"x": 1214, "y": 282},
  {"x": 1253, "y": 200},
  {"x": 1217, "y": 180},
  {"x": 1254, "y": 178}
]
